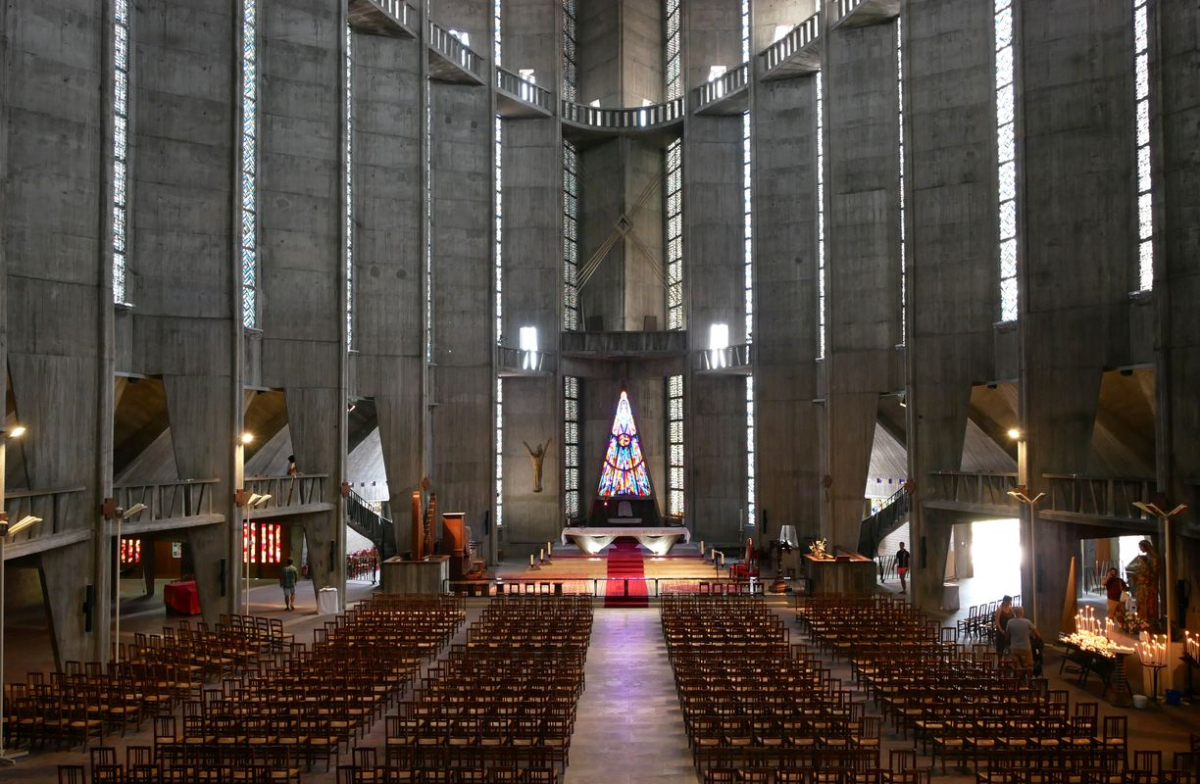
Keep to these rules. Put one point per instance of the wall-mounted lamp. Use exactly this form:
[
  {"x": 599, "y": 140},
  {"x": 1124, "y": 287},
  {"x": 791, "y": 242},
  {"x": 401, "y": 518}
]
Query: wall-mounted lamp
[
  {"x": 1015, "y": 433},
  {"x": 16, "y": 432},
  {"x": 246, "y": 438},
  {"x": 15, "y": 528}
]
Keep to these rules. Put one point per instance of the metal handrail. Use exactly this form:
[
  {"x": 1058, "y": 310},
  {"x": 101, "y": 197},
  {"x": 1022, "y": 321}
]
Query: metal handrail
[
  {"x": 1098, "y": 496},
  {"x": 46, "y": 503},
  {"x": 524, "y": 90},
  {"x": 797, "y": 38},
  {"x": 846, "y": 7},
  {"x": 167, "y": 500},
  {"x": 651, "y": 116},
  {"x": 400, "y": 11},
  {"x": 379, "y": 529},
  {"x": 985, "y": 488},
  {"x": 455, "y": 50},
  {"x": 725, "y": 84}
]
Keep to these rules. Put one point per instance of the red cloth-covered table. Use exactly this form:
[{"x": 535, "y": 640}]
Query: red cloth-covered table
[{"x": 182, "y": 597}]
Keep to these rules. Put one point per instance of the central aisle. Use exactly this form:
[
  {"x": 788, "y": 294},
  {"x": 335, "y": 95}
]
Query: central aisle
[{"x": 629, "y": 728}]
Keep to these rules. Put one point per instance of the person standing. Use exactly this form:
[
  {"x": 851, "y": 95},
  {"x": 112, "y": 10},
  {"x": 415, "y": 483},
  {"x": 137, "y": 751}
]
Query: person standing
[
  {"x": 1021, "y": 632},
  {"x": 1115, "y": 587},
  {"x": 902, "y": 558},
  {"x": 287, "y": 581},
  {"x": 1004, "y": 615}
]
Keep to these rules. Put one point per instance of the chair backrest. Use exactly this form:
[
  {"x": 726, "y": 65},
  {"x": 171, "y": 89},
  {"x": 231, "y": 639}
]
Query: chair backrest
[{"x": 70, "y": 774}]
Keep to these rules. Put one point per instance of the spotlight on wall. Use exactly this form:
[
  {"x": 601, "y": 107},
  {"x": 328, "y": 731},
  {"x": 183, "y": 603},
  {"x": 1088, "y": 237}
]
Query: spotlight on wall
[
  {"x": 16, "y": 432},
  {"x": 247, "y": 438},
  {"x": 1015, "y": 433}
]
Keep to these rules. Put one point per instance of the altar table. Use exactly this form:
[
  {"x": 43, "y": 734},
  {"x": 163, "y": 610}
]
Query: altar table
[
  {"x": 657, "y": 540},
  {"x": 182, "y": 597}
]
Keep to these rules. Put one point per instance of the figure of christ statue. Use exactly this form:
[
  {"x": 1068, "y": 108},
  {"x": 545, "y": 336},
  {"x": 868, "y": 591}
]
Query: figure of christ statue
[
  {"x": 537, "y": 455},
  {"x": 1143, "y": 572}
]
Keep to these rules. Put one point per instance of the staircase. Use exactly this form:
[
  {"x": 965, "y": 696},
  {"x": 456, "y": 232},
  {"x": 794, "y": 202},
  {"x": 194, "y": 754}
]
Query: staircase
[
  {"x": 366, "y": 521},
  {"x": 892, "y": 515}
]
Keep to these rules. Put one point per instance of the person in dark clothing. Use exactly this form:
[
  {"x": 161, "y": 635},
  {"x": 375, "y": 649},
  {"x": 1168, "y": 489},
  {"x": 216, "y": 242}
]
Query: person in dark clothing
[
  {"x": 902, "y": 558},
  {"x": 1004, "y": 614}
]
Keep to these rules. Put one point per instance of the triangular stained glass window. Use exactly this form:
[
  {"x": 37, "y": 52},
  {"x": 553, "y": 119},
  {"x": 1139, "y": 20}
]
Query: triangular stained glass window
[{"x": 625, "y": 473}]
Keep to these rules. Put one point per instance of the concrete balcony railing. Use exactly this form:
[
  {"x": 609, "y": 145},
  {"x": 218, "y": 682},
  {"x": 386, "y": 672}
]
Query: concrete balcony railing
[
  {"x": 519, "y": 362},
  {"x": 796, "y": 54},
  {"x": 974, "y": 490},
  {"x": 1098, "y": 497},
  {"x": 53, "y": 505},
  {"x": 732, "y": 360},
  {"x": 177, "y": 501},
  {"x": 857, "y": 13},
  {"x": 727, "y": 94},
  {"x": 656, "y": 116},
  {"x": 450, "y": 60},
  {"x": 395, "y": 18},
  {"x": 524, "y": 98},
  {"x": 289, "y": 494}
]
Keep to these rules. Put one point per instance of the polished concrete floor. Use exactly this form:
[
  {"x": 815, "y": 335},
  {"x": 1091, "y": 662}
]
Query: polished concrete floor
[{"x": 629, "y": 727}]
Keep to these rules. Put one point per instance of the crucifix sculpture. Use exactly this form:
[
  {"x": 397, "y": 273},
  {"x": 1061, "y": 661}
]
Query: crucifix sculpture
[{"x": 537, "y": 454}]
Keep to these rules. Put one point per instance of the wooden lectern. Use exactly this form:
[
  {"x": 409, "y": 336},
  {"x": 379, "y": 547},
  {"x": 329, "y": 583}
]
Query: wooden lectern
[{"x": 456, "y": 542}]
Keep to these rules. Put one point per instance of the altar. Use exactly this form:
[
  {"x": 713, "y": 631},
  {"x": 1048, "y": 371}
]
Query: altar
[{"x": 658, "y": 540}]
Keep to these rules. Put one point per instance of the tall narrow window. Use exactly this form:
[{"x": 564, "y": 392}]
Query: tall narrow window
[
  {"x": 1141, "y": 47},
  {"x": 570, "y": 74},
  {"x": 674, "y": 216},
  {"x": 748, "y": 210},
  {"x": 1006, "y": 140},
  {"x": 120, "y": 207},
  {"x": 675, "y": 456},
  {"x": 498, "y": 268},
  {"x": 571, "y": 445},
  {"x": 900, "y": 126},
  {"x": 499, "y": 451},
  {"x": 570, "y": 236},
  {"x": 349, "y": 187},
  {"x": 674, "y": 76},
  {"x": 820, "y": 214},
  {"x": 250, "y": 163}
]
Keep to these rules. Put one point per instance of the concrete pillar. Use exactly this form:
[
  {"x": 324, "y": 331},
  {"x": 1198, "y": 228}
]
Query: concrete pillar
[
  {"x": 53, "y": 116},
  {"x": 1079, "y": 259},
  {"x": 863, "y": 261},
  {"x": 302, "y": 241},
  {"x": 389, "y": 256},
  {"x": 952, "y": 261}
]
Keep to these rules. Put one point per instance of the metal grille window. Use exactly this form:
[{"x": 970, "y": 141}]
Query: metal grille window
[
  {"x": 675, "y": 446},
  {"x": 120, "y": 206},
  {"x": 1006, "y": 140},
  {"x": 349, "y": 188},
  {"x": 498, "y": 267},
  {"x": 821, "y": 339},
  {"x": 672, "y": 71},
  {"x": 900, "y": 125},
  {"x": 570, "y": 76},
  {"x": 1141, "y": 46},
  {"x": 249, "y": 241},
  {"x": 674, "y": 217},
  {"x": 570, "y": 236},
  {"x": 571, "y": 445},
  {"x": 748, "y": 210}
]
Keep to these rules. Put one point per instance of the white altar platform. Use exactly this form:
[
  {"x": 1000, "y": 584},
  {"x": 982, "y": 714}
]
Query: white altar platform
[{"x": 658, "y": 540}]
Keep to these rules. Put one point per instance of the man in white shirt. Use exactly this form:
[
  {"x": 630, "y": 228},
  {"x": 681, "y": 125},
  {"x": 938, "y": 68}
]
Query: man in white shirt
[{"x": 1021, "y": 632}]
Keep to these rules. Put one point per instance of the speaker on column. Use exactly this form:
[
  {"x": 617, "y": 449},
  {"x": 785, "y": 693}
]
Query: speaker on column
[
  {"x": 221, "y": 576},
  {"x": 89, "y": 606},
  {"x": 332, "y": 554}
]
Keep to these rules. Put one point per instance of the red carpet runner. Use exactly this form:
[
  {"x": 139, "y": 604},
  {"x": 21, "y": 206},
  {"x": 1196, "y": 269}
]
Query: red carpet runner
[{"x": 625, "y": 560}]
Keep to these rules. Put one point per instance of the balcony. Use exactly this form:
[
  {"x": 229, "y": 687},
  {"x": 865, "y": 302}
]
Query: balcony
[
  {"x": 796, "y": 54},
  {"x": 861, "y": 13},
  {"x": 290, "y": 495},
  {"x": 54, "y": 506},
  {"x": 582, "y": 123},
  {"x": 984, "y": 494},
  {"x": 391, "y": 18},
  {"x": 517, "y": 97},
  {"x": 728, "y": 361},
  {"x": 169, "y": 505},
  {"x": 625, "y": 345},
  {"x": 452, "y": 61},
  {"x": 1098, "y": 500},
  {"x": 728, "y": 94},
  {"x": 515, "y": 362}
]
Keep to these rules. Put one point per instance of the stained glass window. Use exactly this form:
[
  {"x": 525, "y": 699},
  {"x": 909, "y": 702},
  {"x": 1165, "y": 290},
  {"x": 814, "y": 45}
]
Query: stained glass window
[
  {"x": 571, "y": 444},
  {"x": 675, "y": 446},
  {"x": 131, "y": 551},
  {"x": 349, "y": 188},
  {"x": 624, "y": 473},
  {"x": 498, "y": 271},
  {"x": 820, "y": 215},
  {"x": 1006, "y": 144},
  {"x": 120, "y": 245},
  {"x": 673, "y": 73},
  {"x": 674, "y": 218},
  {"x": 262, "y": 543},
  {"x": 570, "y": 75},
  {"x": 747, "y": 200},
  {"x": 249, "y": 242},
  {"x": 903, "y": 239},
  {"x": 570, "y": 236},
  {"x": 1141, "y": 47}
]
